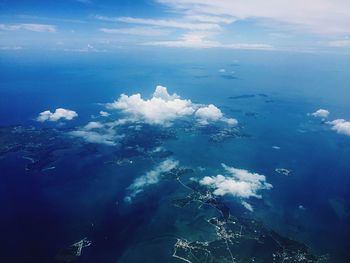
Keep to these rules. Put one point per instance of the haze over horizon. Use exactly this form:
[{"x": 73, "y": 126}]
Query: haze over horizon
[{"x": 105, "y": 25}]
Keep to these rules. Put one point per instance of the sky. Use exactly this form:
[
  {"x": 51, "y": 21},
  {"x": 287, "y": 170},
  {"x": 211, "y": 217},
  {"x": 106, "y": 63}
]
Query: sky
[{"x": 107, "y": 25}]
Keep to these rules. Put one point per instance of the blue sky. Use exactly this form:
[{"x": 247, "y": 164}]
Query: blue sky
[{"x": 107, "y": 25}]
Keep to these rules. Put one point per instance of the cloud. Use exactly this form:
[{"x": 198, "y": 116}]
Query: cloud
[
  {"x": 11, "y": 47},
  {"x": 341, "y": 126},
  {"x": 188, "y": 40},
  {"x": 195, "y": 24},
  {"x": 239, "y": 183},
  {"x": 211, "y": 113},
  {"x": 197, "y": 30},
  {"x": 200, "y": 40},
  {"x": 86, "y": 49},
  {"x": 209, "y": 18},
  {"x": 59, "y": 113},
  {"x": 247, "y": 206},
  {"x": 95, "y": 137},
  {"x": 179, "y": 24},
  {"x": 93, "y": 125},
  {"x": 138, "y": 31},
  {"x": 162, "y": 93},
  {"x": 96, "y": 132},
  {"x": 249, "y": 46},
  {"x": 321, "y": 113},
  {"x": 104, "y": 114},
  {"x": 29, "y": 27},
  {"x": 164, "y": 108},
  {"x": 150, "y": 178},
  {"x": 340, "y": 43},
  {"x": 317, "y": 16},
  {"x": 230, "y": 121},
  {"x": 85, "y": 1},
  {"x": 157, "y": 110}
]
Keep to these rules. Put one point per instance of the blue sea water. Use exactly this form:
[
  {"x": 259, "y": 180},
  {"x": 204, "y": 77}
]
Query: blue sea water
[{"x": 43, "y": 212}]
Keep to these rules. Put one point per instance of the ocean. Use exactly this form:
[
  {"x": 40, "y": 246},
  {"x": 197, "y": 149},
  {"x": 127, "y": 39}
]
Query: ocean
[{"x": 270, "y": 93}]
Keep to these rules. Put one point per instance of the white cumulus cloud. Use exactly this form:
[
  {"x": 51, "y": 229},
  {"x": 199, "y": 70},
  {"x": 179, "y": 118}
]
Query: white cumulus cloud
[
  {"x": 151, "y": 177},
  {"x": 59, "y": 113},
  {"x": 164, "y": 108},
  {"x": 321, "y": 113},
  {"x": 93, "y": 125},
  {"x": 239, "y": 183},
  {"x": 104, "y": 113},
  {"x": 212, "y": 113},
  {"x": 341, "y": 126},
  {"x": 162, "y": 93},
  {"x": 209, "y": 113}
]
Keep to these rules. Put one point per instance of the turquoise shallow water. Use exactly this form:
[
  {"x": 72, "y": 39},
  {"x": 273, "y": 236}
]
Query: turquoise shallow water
[{"x": 271, "y": 94}]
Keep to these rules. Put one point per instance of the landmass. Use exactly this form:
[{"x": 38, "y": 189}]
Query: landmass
[
  {"x": 238, "y": 239},
  {"x": 283, "y": 171}
]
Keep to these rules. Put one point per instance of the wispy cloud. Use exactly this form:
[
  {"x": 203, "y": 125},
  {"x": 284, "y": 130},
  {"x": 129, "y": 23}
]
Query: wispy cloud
[
  {"x": 318, "y": 25},
  {"x": 201, "y": 40},
  {"x": 94, "y": 137},
  {"x": 179, "y": 24},
  {"x": 11, "y": 47},
  {"x": 340, "y": 43},
  {"x": 209, "y": 18},
  {"x": 57, "y": 20},
  {"x": 150, "y": 178},
  {"x": 196, "y": 29},
  {"x": 84, "y": 1},
  {"x": 86, "y": 49},
  {"x": 317, "y": 16},
  {"x": 29, "y": 27},
  {"x": 138, "y": 31},
  {"x": 188, "y": 40},
  {"x": 96, "y": 132}
]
